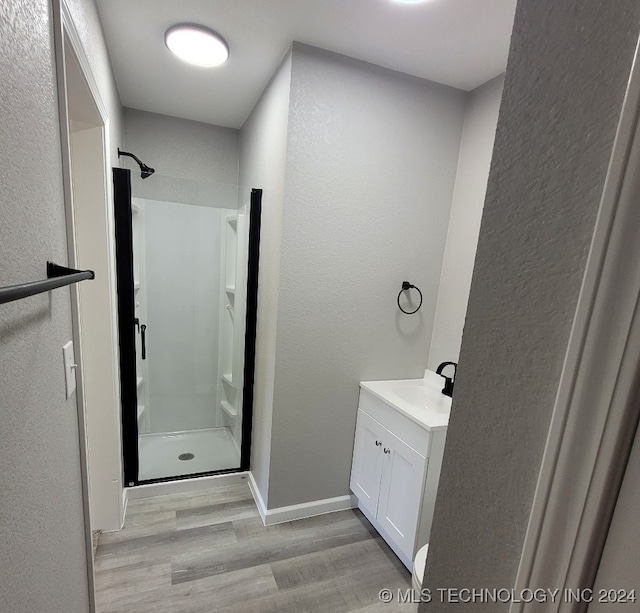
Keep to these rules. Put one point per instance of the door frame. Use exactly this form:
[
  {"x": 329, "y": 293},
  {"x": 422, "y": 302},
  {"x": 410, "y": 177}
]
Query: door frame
[
  {"x": 68, "y": 48},
  {"x": 253, "y": 268},
  {"x": 126, "y": 322},
  {"x": 596, "y": 413}
]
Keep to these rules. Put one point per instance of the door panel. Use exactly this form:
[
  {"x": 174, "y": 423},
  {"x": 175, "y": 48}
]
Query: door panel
[
  {"x": 181, "y": 417},
  {"x": 403, "y": 473},
  {"x": 367, "y": 462}
]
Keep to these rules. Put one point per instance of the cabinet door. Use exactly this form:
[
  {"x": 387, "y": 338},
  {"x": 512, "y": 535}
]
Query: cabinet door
[
  {"x": 403, "y": 474},
  {"x": 366, "y": 469}
]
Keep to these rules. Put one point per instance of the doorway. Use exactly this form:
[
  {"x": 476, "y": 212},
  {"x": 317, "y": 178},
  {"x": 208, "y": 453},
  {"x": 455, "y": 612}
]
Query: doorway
[{"x": 187, "y": 285}]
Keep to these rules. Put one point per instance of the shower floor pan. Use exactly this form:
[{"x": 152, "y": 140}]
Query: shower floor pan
[{"x": 201, "y": 451}]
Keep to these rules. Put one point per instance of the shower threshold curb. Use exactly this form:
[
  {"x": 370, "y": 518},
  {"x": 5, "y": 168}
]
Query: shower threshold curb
[{"x": 185, "y": 485}]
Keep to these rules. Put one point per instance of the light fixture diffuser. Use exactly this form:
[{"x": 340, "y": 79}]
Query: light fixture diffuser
[{"x": 196, "y": 44}]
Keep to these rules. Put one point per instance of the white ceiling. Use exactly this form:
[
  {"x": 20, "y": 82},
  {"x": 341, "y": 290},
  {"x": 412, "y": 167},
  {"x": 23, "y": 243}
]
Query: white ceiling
[{"x": 462, "y": 43}]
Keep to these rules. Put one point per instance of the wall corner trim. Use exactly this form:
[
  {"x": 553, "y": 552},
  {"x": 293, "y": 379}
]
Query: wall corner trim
[
  {"x": 125, "y": 504},
  {"x": 257, "y": 497}
]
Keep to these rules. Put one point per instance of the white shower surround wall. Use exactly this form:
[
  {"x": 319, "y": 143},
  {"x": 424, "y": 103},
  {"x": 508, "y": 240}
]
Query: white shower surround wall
[
  {"x": 182, "y": 259},
  {"x": 233, "y": 312}
]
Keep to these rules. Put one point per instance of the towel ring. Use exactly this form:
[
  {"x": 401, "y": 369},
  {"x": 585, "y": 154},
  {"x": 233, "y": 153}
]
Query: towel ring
[{"x": 406, "y": 286}]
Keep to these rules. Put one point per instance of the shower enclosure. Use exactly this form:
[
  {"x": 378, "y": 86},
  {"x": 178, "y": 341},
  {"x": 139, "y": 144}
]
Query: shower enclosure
[{"x": 187, "y": 263}]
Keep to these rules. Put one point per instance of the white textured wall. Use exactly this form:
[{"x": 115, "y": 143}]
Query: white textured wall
[
  {"x": 371, "y": 165},
  {"x": 565, "y": 81},
  {"x": 263, "y": 146},
  {"x": 476, "y": 147},
  {"x": 41, "y": 514},
  {"x": 182, "y": 261}
]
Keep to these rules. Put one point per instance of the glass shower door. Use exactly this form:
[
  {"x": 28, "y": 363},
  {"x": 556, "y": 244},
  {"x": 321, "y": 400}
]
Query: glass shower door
[{"x": 191, "y": 270}]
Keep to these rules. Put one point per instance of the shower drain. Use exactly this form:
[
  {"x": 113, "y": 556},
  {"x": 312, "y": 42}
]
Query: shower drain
[{"x": 186, "y": 456}]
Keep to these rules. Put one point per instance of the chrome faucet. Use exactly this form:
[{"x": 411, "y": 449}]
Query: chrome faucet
[{"x": 447, "y": 390}]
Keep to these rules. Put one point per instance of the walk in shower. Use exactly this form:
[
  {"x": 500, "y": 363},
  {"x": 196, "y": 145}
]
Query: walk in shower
[{"x": 187, "y": 281}]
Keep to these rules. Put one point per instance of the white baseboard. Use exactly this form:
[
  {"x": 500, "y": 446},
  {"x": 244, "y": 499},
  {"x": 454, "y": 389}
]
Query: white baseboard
[
  {"x": 298, "y": 511},
  {"x": 185, "y": 485},
  {"x": 309, "y": 509}
]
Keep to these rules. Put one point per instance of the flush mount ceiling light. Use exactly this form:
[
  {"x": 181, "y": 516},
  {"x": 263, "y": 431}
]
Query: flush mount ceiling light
[{"x": 197, "y": 45}]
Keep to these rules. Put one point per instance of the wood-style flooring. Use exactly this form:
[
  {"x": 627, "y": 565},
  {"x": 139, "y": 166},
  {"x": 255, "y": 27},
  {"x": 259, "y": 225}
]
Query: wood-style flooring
[{"x": 209, "y": 552}]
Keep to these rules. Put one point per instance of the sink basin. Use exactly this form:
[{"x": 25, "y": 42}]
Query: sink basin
[
  {"x": 421, "y": 400},
  {"x": 421, "y": 397}
]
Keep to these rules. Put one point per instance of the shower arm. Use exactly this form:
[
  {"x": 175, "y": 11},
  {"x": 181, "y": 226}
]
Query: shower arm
[
  {"x": 145, "y": 171},
  {"x": 131, "y": 155}
]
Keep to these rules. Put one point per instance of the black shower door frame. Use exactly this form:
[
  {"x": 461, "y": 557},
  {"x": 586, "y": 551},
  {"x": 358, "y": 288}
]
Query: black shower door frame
[{"x": 127, "y": 341}]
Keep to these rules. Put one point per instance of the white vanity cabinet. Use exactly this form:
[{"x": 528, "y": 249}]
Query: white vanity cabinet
[{"x": 395, "y": 471}]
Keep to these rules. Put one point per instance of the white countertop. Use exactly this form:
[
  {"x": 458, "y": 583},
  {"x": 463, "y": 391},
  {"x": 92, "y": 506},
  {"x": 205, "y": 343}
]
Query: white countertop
[{"x": 424, "y": 404}]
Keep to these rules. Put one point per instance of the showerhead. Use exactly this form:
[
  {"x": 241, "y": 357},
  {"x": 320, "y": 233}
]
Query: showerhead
[{"x": 145, "y": 171}]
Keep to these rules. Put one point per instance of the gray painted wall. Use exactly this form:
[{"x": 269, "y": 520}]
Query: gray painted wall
[
  {"x": 370, "y": 170},
  {"x": 41, "y": 514},
  {"x": 195, "y": 163},
  {"x": 478, "y": 135},
  {"x": 86, "y": 18},
  {"x": 568, "y": 68},
  {"x": 263, "y": 147}
]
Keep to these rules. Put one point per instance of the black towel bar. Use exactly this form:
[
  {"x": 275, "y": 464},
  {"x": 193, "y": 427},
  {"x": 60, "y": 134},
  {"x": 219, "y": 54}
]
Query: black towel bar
[{"x": 57, "y": 276}]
